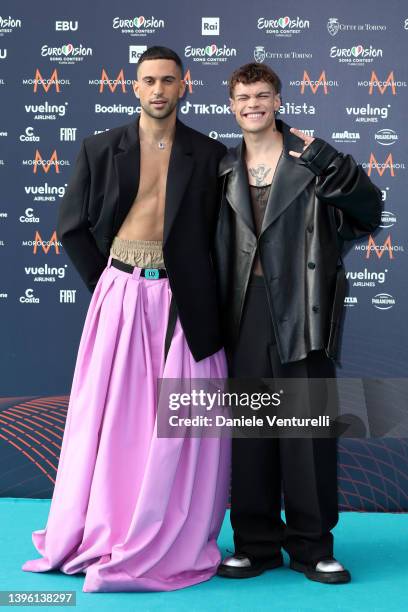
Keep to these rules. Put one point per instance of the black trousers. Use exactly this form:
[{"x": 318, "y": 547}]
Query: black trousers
[{"x": 305, "y": 469}]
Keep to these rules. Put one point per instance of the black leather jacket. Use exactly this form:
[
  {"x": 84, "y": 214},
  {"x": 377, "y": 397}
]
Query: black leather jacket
[{"x": 316, "y": 202}]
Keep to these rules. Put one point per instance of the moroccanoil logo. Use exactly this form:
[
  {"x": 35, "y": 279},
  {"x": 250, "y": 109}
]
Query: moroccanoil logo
[
  {"x": 381, "y": 167},
  {"x": 39, "y": 243},
  {"x": 46, "y": 164},
  {"x": 46, "y": 83},
  {"x": 380, "y": 249},
  {"x": 190, "y": 82},
  {"x": 112, "y": 84},
  {"x": 314, "y": 85},
  {"x": 382, "y": 85}
]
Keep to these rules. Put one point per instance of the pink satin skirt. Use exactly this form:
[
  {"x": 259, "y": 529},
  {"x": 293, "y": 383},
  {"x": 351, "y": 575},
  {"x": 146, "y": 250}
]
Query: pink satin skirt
[{"x": 133, "y": 511}]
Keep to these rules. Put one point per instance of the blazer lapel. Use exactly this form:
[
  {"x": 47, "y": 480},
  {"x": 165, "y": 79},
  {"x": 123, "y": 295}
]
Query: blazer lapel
[
  {"x": 237, "y": 191},
  {"x": 290, "y": 178},
  {"x": 127, "y": 165},
  {"x": 178, "y": 176}
]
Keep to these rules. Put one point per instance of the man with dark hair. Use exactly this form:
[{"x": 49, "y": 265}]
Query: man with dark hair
[
  {"x": 135, "y": 511},
  {"x": 289, "y": 201}
]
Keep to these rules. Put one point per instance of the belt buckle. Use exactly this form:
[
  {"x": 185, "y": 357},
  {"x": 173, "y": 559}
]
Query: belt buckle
[{"x": 152, "y": 273}]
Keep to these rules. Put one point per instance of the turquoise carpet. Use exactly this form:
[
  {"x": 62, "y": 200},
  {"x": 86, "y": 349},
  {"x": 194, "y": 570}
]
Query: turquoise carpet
[{"x": 373, "y": 546}]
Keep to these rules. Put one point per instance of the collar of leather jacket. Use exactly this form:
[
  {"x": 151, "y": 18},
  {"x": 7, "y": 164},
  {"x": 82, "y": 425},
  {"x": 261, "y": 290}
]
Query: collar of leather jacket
[
  {"x": 237, "y": 154},
  {"x": 291, "y": 177}
]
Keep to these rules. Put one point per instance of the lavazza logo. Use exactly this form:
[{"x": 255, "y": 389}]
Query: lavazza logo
[
  {"x": 283, "y": 26},
  {"x": 355, "y": 56},
  {"x": 138, "y": 26},
  {"x": 8, "y": 25},
  {"x": 334, "y": 27},
  {"x": 66, "y": 54},
  {"x": 210, "y": 55},
  {"x": 260, "y": 55},
  {"x": 346, "y": 136},
  {"x": 45, "y": 192}
]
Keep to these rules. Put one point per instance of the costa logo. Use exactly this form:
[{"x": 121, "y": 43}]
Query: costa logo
[
  {"x": 29, "y": 297},
  {"x": 29, "y": 217}
]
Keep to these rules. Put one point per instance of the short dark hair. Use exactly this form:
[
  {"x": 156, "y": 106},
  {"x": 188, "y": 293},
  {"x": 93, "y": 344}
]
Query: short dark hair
[
  {"x": 157, "y": 52},
  {"x": 252, "y": 73}
]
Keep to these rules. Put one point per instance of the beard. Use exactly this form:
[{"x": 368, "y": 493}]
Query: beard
[{"x": 161, "y": 113}]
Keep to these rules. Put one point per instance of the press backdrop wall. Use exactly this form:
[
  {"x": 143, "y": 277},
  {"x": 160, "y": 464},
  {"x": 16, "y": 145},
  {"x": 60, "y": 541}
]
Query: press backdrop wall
[{"x": 67, "y": 71}]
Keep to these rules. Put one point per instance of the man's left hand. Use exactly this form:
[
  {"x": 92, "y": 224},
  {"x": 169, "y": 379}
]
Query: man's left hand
[{"x": 306, "y": 139}]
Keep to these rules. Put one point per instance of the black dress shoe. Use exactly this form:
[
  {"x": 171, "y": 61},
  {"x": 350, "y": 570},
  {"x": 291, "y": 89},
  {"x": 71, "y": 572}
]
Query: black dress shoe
[
  {"x": 328, "y": 571},
  {"x": 241, "y": 566}
]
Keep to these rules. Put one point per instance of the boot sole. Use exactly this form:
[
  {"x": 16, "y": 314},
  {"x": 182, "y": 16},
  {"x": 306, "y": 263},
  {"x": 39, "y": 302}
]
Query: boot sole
[
  {"x": 226, "y": 571},
  {"x": 325, "y": 577}
]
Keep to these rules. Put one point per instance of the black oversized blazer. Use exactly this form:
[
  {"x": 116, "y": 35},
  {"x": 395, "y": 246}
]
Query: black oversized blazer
[{"x": 100, "y": 193}]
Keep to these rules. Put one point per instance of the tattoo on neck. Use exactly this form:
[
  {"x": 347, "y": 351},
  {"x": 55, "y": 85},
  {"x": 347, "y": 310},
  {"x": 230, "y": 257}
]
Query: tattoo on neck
[{"x": 259, "y": 173}]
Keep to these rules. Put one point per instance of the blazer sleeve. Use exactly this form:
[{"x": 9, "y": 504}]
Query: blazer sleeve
[
  {"x": 343, "y": 183},
  {"x": 73, "y": 225}
]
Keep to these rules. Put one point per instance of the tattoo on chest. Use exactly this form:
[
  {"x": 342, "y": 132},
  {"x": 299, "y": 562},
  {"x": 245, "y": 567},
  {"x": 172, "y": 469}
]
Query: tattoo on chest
[{"x": 260, "y": 173}]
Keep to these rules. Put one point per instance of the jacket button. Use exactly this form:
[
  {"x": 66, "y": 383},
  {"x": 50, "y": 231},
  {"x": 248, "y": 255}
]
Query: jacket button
[
  {"x": 310, "y": 228},
  {"x": 315, "y": 308},
  {"x": 311, "y": 265}
]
